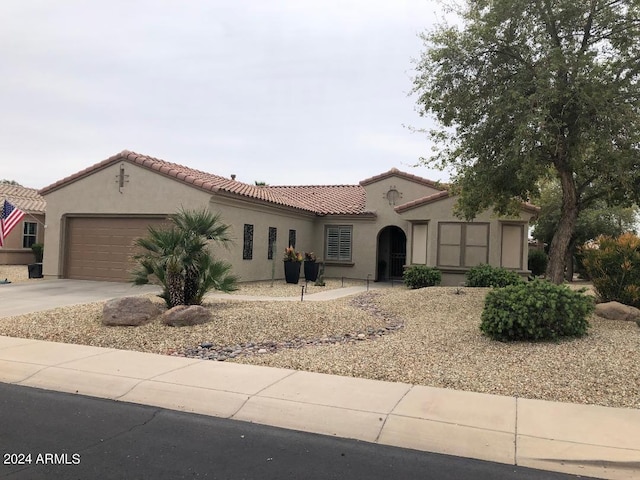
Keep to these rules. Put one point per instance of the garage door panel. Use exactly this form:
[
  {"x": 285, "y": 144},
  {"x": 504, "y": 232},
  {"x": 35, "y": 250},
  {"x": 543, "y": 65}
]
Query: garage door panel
[{"x": 101, "y": 248}]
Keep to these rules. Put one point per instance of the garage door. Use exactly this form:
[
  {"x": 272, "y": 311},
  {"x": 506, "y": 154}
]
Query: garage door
[{"x": 100, "y": 248}]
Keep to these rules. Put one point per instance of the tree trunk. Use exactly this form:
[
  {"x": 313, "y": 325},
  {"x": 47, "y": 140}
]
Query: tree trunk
[
  {"x": 562, "y": 238},
  {"x": 569, "y": 261},
  {"x": 175, "y": 285}
]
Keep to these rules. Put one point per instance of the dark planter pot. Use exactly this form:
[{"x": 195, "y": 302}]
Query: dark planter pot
[
  {"x": 311, "y": 271},
  {"x": 292, "y": 272},
  {"x": 35, "y": 270}
]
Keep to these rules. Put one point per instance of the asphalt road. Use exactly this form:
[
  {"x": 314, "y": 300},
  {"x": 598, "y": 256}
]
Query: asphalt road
[{"x": 52, "y": 435}]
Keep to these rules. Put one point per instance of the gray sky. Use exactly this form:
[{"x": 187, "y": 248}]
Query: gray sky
[{"x": 282, "y": 91}]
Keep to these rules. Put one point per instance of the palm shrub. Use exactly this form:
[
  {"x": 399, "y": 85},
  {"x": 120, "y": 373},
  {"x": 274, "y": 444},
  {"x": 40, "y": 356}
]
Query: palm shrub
[
  {"x": 419, "y": 276},
  {"x": 613, "y": 264},
  {"x": 484, "y": 275},
  {"x": 537, "y": 310},
  {"x": 177, "y": 258},
  {"x": 537, "y": 262}
]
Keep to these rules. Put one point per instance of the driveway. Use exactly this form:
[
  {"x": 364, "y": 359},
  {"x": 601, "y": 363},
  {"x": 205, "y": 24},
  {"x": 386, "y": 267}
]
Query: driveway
[{"x": 29, "y": 297}]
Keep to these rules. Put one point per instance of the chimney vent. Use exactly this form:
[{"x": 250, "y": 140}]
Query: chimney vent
[{"x": 233, "y": 176}]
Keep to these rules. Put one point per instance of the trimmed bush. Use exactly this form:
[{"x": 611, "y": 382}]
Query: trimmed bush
[
  {"x": 487, "y": 276},
  {"x": 419, "y": 276},
  {"x": 537, "y": 262},
  {"x": 613, "y": 264},
  {"x": 537, "y": 310}
]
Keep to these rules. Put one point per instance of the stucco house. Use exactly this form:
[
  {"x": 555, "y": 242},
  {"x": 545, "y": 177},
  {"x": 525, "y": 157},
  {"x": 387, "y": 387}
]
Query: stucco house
[
  {"x": 370, "y": 230},
  {"x": 17, "y": 245}
]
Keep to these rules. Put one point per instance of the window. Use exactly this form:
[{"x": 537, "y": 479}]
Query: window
[
  {"x": 273, "y": 235},
  {"x": 338, "y": 243},
  {"x": 463, "y": 244},
  {"x": 29, "y": 234},
  {"x": 247, "y": 246},
  {"x": 292, "y": 238}
]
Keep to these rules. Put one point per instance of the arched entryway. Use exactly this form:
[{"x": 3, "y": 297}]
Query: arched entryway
[{"x": 392, "y": 253}]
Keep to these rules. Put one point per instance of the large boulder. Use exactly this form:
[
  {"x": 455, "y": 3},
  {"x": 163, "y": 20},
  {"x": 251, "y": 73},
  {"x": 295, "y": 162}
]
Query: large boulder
[
  {"x": 129, "y": 311},
  {"x": 185, "y": 316},
  {"x": 618, "y": 311}
]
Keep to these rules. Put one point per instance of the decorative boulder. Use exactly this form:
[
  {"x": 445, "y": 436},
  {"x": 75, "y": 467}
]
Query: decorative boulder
[
  {"x": 617, "y": 311},
  {"x": 129, "y": 311},
  {"x": 185, "y": 316}
]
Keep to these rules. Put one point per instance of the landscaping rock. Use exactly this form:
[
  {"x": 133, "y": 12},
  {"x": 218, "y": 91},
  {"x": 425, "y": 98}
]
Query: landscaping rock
[
  {"x": 618, "y": 311},
  {"x": 129, "y": 311},
  {"x": 185, "y": 316}
]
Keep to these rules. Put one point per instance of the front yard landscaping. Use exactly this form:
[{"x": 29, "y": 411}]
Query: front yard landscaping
[{"x": 428, "y": 336}]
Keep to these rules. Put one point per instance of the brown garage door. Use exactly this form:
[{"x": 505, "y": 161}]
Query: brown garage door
[{"x": 100, "y": 248}]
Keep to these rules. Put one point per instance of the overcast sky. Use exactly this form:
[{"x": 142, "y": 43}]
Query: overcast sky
[{"x": 281, "y": 91}]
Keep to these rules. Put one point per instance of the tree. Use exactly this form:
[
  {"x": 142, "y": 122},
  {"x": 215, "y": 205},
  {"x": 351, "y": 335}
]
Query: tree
[
  {"x": 6, "y": 181},
  {"x": 177, "y": 258},
  {"x": 593, "y": 220},
  {"x": 528, "y": 87}
]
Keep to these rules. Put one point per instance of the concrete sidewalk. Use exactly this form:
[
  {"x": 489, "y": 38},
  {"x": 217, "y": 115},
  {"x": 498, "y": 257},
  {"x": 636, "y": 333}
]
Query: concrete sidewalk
[{"x": 579, "y": 439}]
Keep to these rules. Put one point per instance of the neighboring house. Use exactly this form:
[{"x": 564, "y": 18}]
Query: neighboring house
[
  {"x": 30, "y": 230},
  {"x": 371, "y": 230}
]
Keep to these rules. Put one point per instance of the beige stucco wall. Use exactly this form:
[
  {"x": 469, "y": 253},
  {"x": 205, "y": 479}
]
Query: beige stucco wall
[
  {"x": 144, "y": 192},
  {"x": 149, "y": 193},
  {"x": 237, "y": 213},
  {"x": 12, "y": 252},
  {"x": 442, "y": 211}
]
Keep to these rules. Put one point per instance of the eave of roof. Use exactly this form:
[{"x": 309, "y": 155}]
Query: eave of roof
[
  {"x": 394, "y": 172},
  {"x": 319, "y": 200},
  {"x": 436, "y": 197}
]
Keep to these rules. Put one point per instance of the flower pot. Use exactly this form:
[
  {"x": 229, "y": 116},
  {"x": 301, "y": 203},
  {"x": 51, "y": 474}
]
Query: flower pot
[
  {"x": 292, "y": 272},
  {"x": 35, "y": 270},
  {"x": 311, "y": 271}
]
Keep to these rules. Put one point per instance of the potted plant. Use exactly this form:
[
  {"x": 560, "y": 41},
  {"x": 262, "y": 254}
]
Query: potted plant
[
  {"x": 310, "y": 267},
  {"x": 35, "y": 269},
  {"x": 292, "y": 261}
]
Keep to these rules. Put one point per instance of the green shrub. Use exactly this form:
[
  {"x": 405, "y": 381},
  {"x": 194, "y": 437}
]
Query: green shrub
[
  {"x": 537, "y": 310},
  {"x": 613, "y": 264},
  {"x": 487, "y": 276},
  {"x": 537, "y": 262},
  {"x": 419, "y": 276}
]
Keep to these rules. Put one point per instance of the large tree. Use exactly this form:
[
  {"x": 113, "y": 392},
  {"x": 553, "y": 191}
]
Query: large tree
[
  {"x": 595, "y": 218},
  {"x": 524, "y": 87}
]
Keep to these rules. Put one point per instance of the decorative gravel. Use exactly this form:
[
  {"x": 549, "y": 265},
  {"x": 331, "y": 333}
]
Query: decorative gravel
[
  {"x": 16, "y": 273},
  {"x": 427, "y": 337}
]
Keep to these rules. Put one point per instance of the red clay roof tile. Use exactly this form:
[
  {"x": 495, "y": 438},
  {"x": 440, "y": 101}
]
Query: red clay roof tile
[{"x": 26, "y": 199}]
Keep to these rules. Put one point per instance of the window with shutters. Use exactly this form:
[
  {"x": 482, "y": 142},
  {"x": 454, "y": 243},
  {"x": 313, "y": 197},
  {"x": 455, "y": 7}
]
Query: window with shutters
[
  {"x": 463, "y": 244},
  {"x": 338, "y": 243}
]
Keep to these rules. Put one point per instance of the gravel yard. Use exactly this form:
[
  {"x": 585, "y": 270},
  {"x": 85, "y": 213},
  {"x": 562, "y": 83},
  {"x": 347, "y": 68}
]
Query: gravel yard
[
  {"x": 16, "y": 273},
  {"x": 428, "y": 337}
]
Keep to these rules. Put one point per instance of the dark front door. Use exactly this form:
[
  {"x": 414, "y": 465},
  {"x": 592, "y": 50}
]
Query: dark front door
[{"x": 392, "y": 252}]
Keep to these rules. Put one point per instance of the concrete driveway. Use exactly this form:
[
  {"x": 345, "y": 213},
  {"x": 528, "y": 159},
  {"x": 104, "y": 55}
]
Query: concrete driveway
[{"x": 29, "y": 297}]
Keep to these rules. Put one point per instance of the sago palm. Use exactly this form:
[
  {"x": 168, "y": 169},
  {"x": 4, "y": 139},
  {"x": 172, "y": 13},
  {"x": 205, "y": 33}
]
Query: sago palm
[{"x": 178, "y": 258}]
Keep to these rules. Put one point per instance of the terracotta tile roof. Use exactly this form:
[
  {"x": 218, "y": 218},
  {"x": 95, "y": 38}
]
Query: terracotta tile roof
[
  {"x": 394, "y": 172},
  {"x": 321, "y": 200},
  {"x": 325, "y": 199},
  {"x": 26, "y": 199}
]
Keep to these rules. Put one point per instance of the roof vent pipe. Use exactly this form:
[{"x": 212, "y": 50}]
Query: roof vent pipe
[{"x": 233, "y": 176}]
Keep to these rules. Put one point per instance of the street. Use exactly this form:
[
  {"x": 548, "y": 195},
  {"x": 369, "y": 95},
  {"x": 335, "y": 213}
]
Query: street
[{"x": 46, "y": 435}]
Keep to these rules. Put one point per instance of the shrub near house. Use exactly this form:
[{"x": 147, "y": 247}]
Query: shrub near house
[{"x": 537, "y": 310}]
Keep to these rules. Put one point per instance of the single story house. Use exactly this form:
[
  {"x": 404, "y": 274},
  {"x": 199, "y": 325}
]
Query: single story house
[
  {"x": 370, "y": 230},
  {"x": 17, "y": 245}
]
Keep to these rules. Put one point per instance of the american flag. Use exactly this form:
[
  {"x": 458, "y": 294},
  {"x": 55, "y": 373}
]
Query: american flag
[{"x": 8, "y": 219}]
